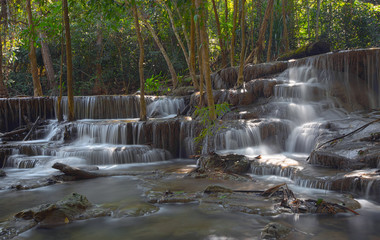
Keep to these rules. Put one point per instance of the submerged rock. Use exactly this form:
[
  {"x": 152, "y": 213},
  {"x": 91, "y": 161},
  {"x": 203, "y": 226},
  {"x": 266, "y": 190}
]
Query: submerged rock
[
  {"x": 275, "y": 230},
  {"x": 217, "y": 189}
]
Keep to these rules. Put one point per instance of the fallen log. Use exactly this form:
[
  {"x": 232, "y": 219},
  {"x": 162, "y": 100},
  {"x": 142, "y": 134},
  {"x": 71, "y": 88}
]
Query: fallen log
[
  {"x": 78, "y": 173},
  {"x": 13, "y": 133}
]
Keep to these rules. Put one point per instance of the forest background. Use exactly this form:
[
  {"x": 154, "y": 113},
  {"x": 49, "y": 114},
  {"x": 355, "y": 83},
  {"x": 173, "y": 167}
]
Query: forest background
[{"x": 105, "y": 46}]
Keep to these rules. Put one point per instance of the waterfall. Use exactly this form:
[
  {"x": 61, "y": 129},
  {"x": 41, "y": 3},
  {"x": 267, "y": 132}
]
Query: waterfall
[{"x": 119, "y": 107}]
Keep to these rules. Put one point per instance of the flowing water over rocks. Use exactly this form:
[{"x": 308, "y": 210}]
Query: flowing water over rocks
[{"x": 278, "y": 124}]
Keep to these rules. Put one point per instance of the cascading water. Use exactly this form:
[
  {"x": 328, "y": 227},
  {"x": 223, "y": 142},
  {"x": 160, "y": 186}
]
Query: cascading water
[{"x": 119, "y": 107}]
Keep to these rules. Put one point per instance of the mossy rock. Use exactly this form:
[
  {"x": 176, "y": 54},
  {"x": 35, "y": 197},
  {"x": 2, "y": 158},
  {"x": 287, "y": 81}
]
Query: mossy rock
[{"x": 306, "y": 51}]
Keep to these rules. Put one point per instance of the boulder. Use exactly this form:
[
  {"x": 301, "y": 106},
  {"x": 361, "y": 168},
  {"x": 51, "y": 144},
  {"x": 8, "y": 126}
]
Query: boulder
[{"x": 231, "y": 163}]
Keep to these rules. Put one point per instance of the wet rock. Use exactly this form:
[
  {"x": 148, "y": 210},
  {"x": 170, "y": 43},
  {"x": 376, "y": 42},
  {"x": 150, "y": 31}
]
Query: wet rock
[
  {"x": 232, "y": 163},
  {"x": 361, "y": 182},
  {"x": 250, "y": 93},
  {"x": 226, "y": 78},
  {"x": 2, "y": 173},
  {"x": 131, "y": 209},
  {"x": 275, "y": 230},
  {"x": 72, "y": 207},
  {"x": 217, "y": 189},
  {"x": 172, "y": 197},
  {"x": 347, "y": 155},
  {"x": 183, "y": 91}
]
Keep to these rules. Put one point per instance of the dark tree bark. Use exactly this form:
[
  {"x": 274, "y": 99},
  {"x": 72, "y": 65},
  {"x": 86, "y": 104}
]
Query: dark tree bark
[
  {"x": 69, "y": 62},
  {"x": 48, "y": 62},
  {"x": 143, "y": 116},
  {"x": 206, "y": 59},
  {"x": 32, "y": 54},
  {"x": 3, "y": 19}
]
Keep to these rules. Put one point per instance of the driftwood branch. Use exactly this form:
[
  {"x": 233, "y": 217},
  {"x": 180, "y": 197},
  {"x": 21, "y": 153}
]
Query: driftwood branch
[
  {"x": 32, "y": 129},
  {"x": 14, "y": 132}
]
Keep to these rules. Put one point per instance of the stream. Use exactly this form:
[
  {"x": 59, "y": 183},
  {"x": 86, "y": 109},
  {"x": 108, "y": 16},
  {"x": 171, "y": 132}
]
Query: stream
[{"x": 307, "y": 106}]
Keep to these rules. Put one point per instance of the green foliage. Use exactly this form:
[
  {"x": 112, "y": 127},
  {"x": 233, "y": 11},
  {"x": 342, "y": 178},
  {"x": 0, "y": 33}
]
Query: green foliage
[
  {"x": 344, "y": 24},
  {"x": 154, "y": 83},
  {"x": 209, "y": 126}
]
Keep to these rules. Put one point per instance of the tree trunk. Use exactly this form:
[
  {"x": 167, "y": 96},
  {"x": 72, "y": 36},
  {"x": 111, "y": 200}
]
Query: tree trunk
[
  {"x": 308, "y": 19},
  {"x": 3, "y": 88},
  {"x": 176, "y": 32},
  {"x": 141, "y": 62},
  {"x": 48, "y": 63},
  {"x": 200, "y": 59},
  {"x": 285, "y": 30},
  {"x": 270, "y": 36},
  {"x": 240, "y": 79},
  {"x": 232, "y": 56},
  {"x": 59, "y": 102},
  {"x": 3, "y": 17},
  {"x": 256, "y": 54},
  {"x": 192, "y": 47},
  {"x": 226, "y": 10},
  {"x": 206, "y": 59},
  {"x": 162, "y": 49},
  {"x": 32, "y": 54},
  {"x": 185, "y": 34},
  {"x": 317, "y": 20},
  {"x": 69, "y": 62},
  {"x": 220, "y": 37}
]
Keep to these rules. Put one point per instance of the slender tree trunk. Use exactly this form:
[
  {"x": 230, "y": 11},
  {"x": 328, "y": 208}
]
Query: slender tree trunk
[
  {"x": 3, "y": 19},
  {"x": 143, "y": 116},
  {"x": 59, "y": 103},
  {"x": 184, "y": 31},
  {"x": 220, "y": 37},
  {"x": 226, "y": 10},
  {"x": 206, "y": 60},
  {"x": 162, "y": 49},
  {"x": 69, "y": 62},
  {"x": 232, "y": 56},
  {"x": 317, "y": 20},
  {"x": 285, "y": 30},
  {"x": 3, "y": 88},
  {"x": 256, "y": 54},
  {"x": 270, "y": 36},
  {"x": 192, "y": 46},
  {"x": 175, "y": 31},
  {"x": 308, "y": 19},
  {"x": 200, "y": 62},
  {"x": 97, "y": 89},
  {"x": 240, "y": 80},
  {"x": 48, "y": 63},
  {"x": 32, "y": 55}
]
